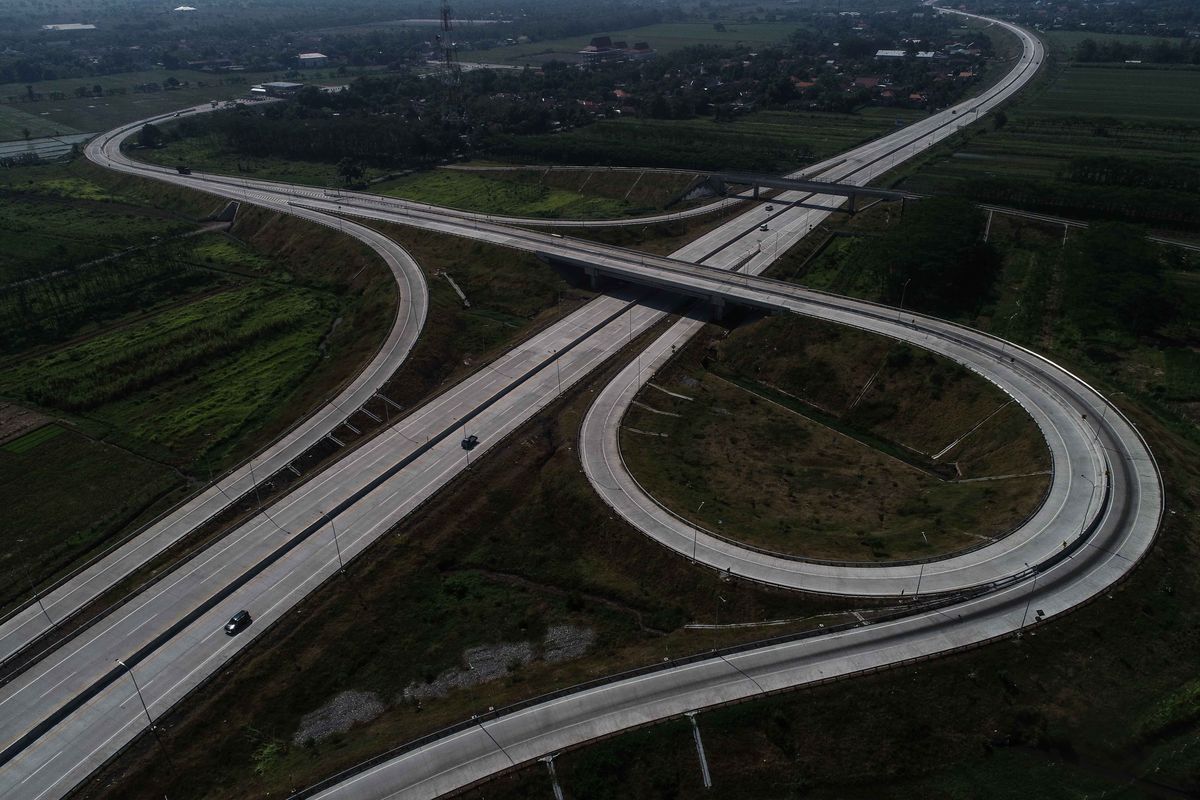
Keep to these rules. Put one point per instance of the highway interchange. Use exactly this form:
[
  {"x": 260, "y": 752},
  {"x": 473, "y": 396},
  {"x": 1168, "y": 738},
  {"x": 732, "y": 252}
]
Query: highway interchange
[{"x": 1099, "y": 518}]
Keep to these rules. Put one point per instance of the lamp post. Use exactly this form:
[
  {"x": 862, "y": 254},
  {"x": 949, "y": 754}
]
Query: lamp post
[
  {"x": 903, "y": 293},
  {"x": 336, "y": 544},
  {"x": 37, "y": 597},
  {"x": 146, "y": 711},
  {"x": 1032, "y": 591}
]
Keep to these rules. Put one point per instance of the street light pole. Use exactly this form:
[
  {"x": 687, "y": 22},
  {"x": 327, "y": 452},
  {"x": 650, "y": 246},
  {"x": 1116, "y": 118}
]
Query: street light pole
[
  {"x": 38, "y": 598},
  {"x": 337, "y": 546},
  {"x": 146, "y": 711},
  {"x": 1032, "y": 591}
]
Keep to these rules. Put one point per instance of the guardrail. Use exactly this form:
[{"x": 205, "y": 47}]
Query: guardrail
[{"x": 721, "y": 653}]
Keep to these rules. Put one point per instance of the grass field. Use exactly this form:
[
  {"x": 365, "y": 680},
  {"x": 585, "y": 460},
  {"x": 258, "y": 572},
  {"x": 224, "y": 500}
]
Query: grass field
[
  {"x": 46, "y": 524},
  {"x": 1064, "y": 42},
  {"x": 535, "y": 193},
  {"x": 1128, "y": 93},
  {"x": 575, "y": 195},
  {"x": 185, "y": 352},
  {"x": 665, "y": 38},
  {"x": 1110, "y": 112},
  {"x": 838, "y": 435},
  {"x": 14, "y": 124},
  {"x": 765, "y": 141},
  {"x": 95, "y": 114}
]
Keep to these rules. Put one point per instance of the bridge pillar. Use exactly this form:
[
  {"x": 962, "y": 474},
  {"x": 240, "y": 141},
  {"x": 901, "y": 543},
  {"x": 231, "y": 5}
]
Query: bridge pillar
[
  {"x": 718, "y": 305},
  {"x": 756, "y": 191},
  {"x": 593, "y": 276}
]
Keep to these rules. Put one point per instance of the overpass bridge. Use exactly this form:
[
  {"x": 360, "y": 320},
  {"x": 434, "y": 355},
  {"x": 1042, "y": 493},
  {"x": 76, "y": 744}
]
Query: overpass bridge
[{"x": 719, "y": 183}]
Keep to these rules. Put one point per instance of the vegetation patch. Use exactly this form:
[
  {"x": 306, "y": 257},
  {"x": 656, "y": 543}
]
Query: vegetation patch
[
  {"x": 64, "y": 495},
  {"x": 184, "y": 352},
  {"x": 1042, "y": 152},
  {"x": 858, "y": 448},
  {"x": 519, "y": 557},
  {"x": 767, "y": 141},
  {"x": 23, "y": 444}
]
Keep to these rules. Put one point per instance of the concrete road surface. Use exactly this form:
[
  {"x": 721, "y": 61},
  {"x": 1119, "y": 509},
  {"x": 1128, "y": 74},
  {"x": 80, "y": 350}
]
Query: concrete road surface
[{"x": 171, "y": 635}]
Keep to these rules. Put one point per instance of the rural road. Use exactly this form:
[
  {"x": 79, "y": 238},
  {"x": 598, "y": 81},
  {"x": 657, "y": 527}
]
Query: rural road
[{"x": 74, "y": 709}]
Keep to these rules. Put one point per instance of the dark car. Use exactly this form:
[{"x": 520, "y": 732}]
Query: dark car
[
  {"x": 183, "y": 169},
  {"x": 470, "y": 442},
  {"x": 237, "y": 623}
]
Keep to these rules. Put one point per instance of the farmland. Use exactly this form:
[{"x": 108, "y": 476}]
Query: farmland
[
  {"x": 161, "y": 343},
  {"x": 1146, "y": 139},
  {"x": 665, "y": 38},
  {"x": 120, "y": 102}
]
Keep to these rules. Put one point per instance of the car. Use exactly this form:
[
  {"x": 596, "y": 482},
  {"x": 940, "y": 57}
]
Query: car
[
  {"x": 770, "y": 208},
  {"x": 238, "y": 623},
  {"x": 469, "y": 442},
  {"x": 763, "y": 227}
]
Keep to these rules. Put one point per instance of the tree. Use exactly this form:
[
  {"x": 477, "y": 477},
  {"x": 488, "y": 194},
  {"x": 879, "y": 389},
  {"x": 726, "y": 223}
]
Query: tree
[
  {"x": 150, "y": 136},
  {"x": 350, "y": 170},
  {"x": 999, "y": 120},
  {"x": 935, "y": 259}
]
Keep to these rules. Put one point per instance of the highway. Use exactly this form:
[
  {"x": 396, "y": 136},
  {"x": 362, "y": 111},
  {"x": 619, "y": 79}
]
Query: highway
[
  {"x": 70, "y": 712},
  {"x": 18, "y": 630}
]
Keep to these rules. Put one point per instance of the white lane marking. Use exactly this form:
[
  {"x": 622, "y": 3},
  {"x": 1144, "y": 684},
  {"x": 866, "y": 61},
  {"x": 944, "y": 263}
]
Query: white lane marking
[
  {"x": 55, "y": 686},
  {"x": 29, "y": 777}
]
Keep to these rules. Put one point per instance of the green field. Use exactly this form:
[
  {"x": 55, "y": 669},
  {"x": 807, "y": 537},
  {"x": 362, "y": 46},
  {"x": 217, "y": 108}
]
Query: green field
[
  {"x": 64, "y": 493},
  {"x": 1115, "y": 114},
  {"x": 1064, "y": 42},
  {"x": 665, "y": 38},
  {"x": 766, "y": 141},
  {"x": 1135, "y": 94},
  {"x": 14, "y": 123},
  {"x": 537, "y": 193},
  {"x": 183, "y": 349},
  {"x": 94, "y": 114}
]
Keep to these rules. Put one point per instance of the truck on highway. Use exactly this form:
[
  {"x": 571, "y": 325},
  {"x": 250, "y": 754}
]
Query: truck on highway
[{"x": 183, "y": 170}]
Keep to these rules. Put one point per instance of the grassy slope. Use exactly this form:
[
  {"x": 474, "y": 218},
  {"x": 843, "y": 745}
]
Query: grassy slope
[
  {"x": 518, "y": 544},
  {"x": 574, "y": 195},
  {"x": 776, "y": 405}
]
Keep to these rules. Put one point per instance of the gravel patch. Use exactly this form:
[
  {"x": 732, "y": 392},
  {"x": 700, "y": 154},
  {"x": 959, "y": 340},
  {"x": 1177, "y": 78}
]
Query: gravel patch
[
  {"x": 339, "y": 715},
  {"x": 483, "y": 664},
  {"x": 488, "y": 663},
  {"x": 564, "y": 642}
]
